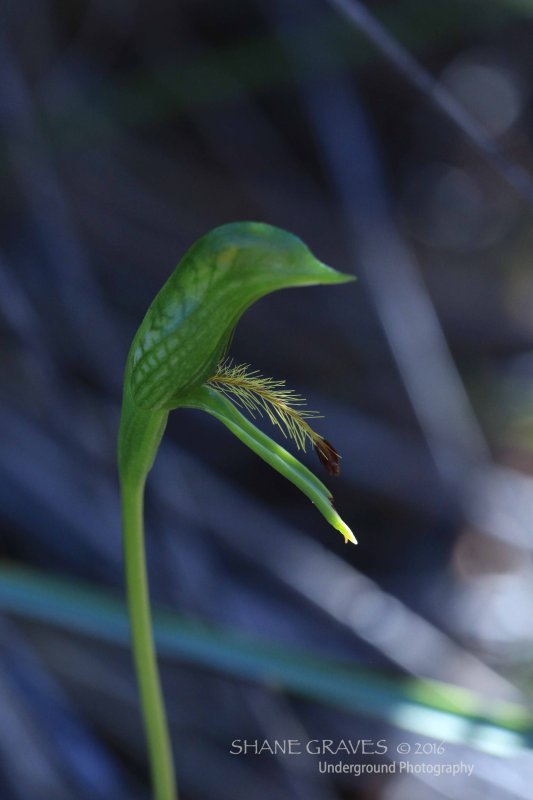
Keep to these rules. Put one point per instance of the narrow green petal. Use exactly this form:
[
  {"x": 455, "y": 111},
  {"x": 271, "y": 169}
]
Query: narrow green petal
[{"x": 220, "y": 407}]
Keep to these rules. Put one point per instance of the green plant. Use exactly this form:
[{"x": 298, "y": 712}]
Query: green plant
[{"x": 177, "y": 359}]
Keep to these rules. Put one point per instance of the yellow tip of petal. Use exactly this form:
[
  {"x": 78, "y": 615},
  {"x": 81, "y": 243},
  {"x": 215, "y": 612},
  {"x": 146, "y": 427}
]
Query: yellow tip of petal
[{"x": 342, "y": 527}]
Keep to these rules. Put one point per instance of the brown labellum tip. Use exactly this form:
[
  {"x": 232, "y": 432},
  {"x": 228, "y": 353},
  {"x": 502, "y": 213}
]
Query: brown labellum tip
[{"x": 328, "y": 456}]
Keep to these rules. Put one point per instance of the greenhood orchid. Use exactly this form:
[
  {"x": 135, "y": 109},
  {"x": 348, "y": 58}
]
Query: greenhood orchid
[{"x": 178, "y": 359}]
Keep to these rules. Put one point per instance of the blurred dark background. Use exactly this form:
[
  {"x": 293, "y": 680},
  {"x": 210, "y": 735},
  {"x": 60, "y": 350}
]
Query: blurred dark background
[{"x": 128, "y": 129}]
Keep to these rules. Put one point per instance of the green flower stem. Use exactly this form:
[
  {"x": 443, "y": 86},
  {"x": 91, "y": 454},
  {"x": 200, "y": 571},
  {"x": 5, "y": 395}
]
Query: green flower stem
[
  {"x": 155, "y": 722},
  {"x": 140, "y": 434}
]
